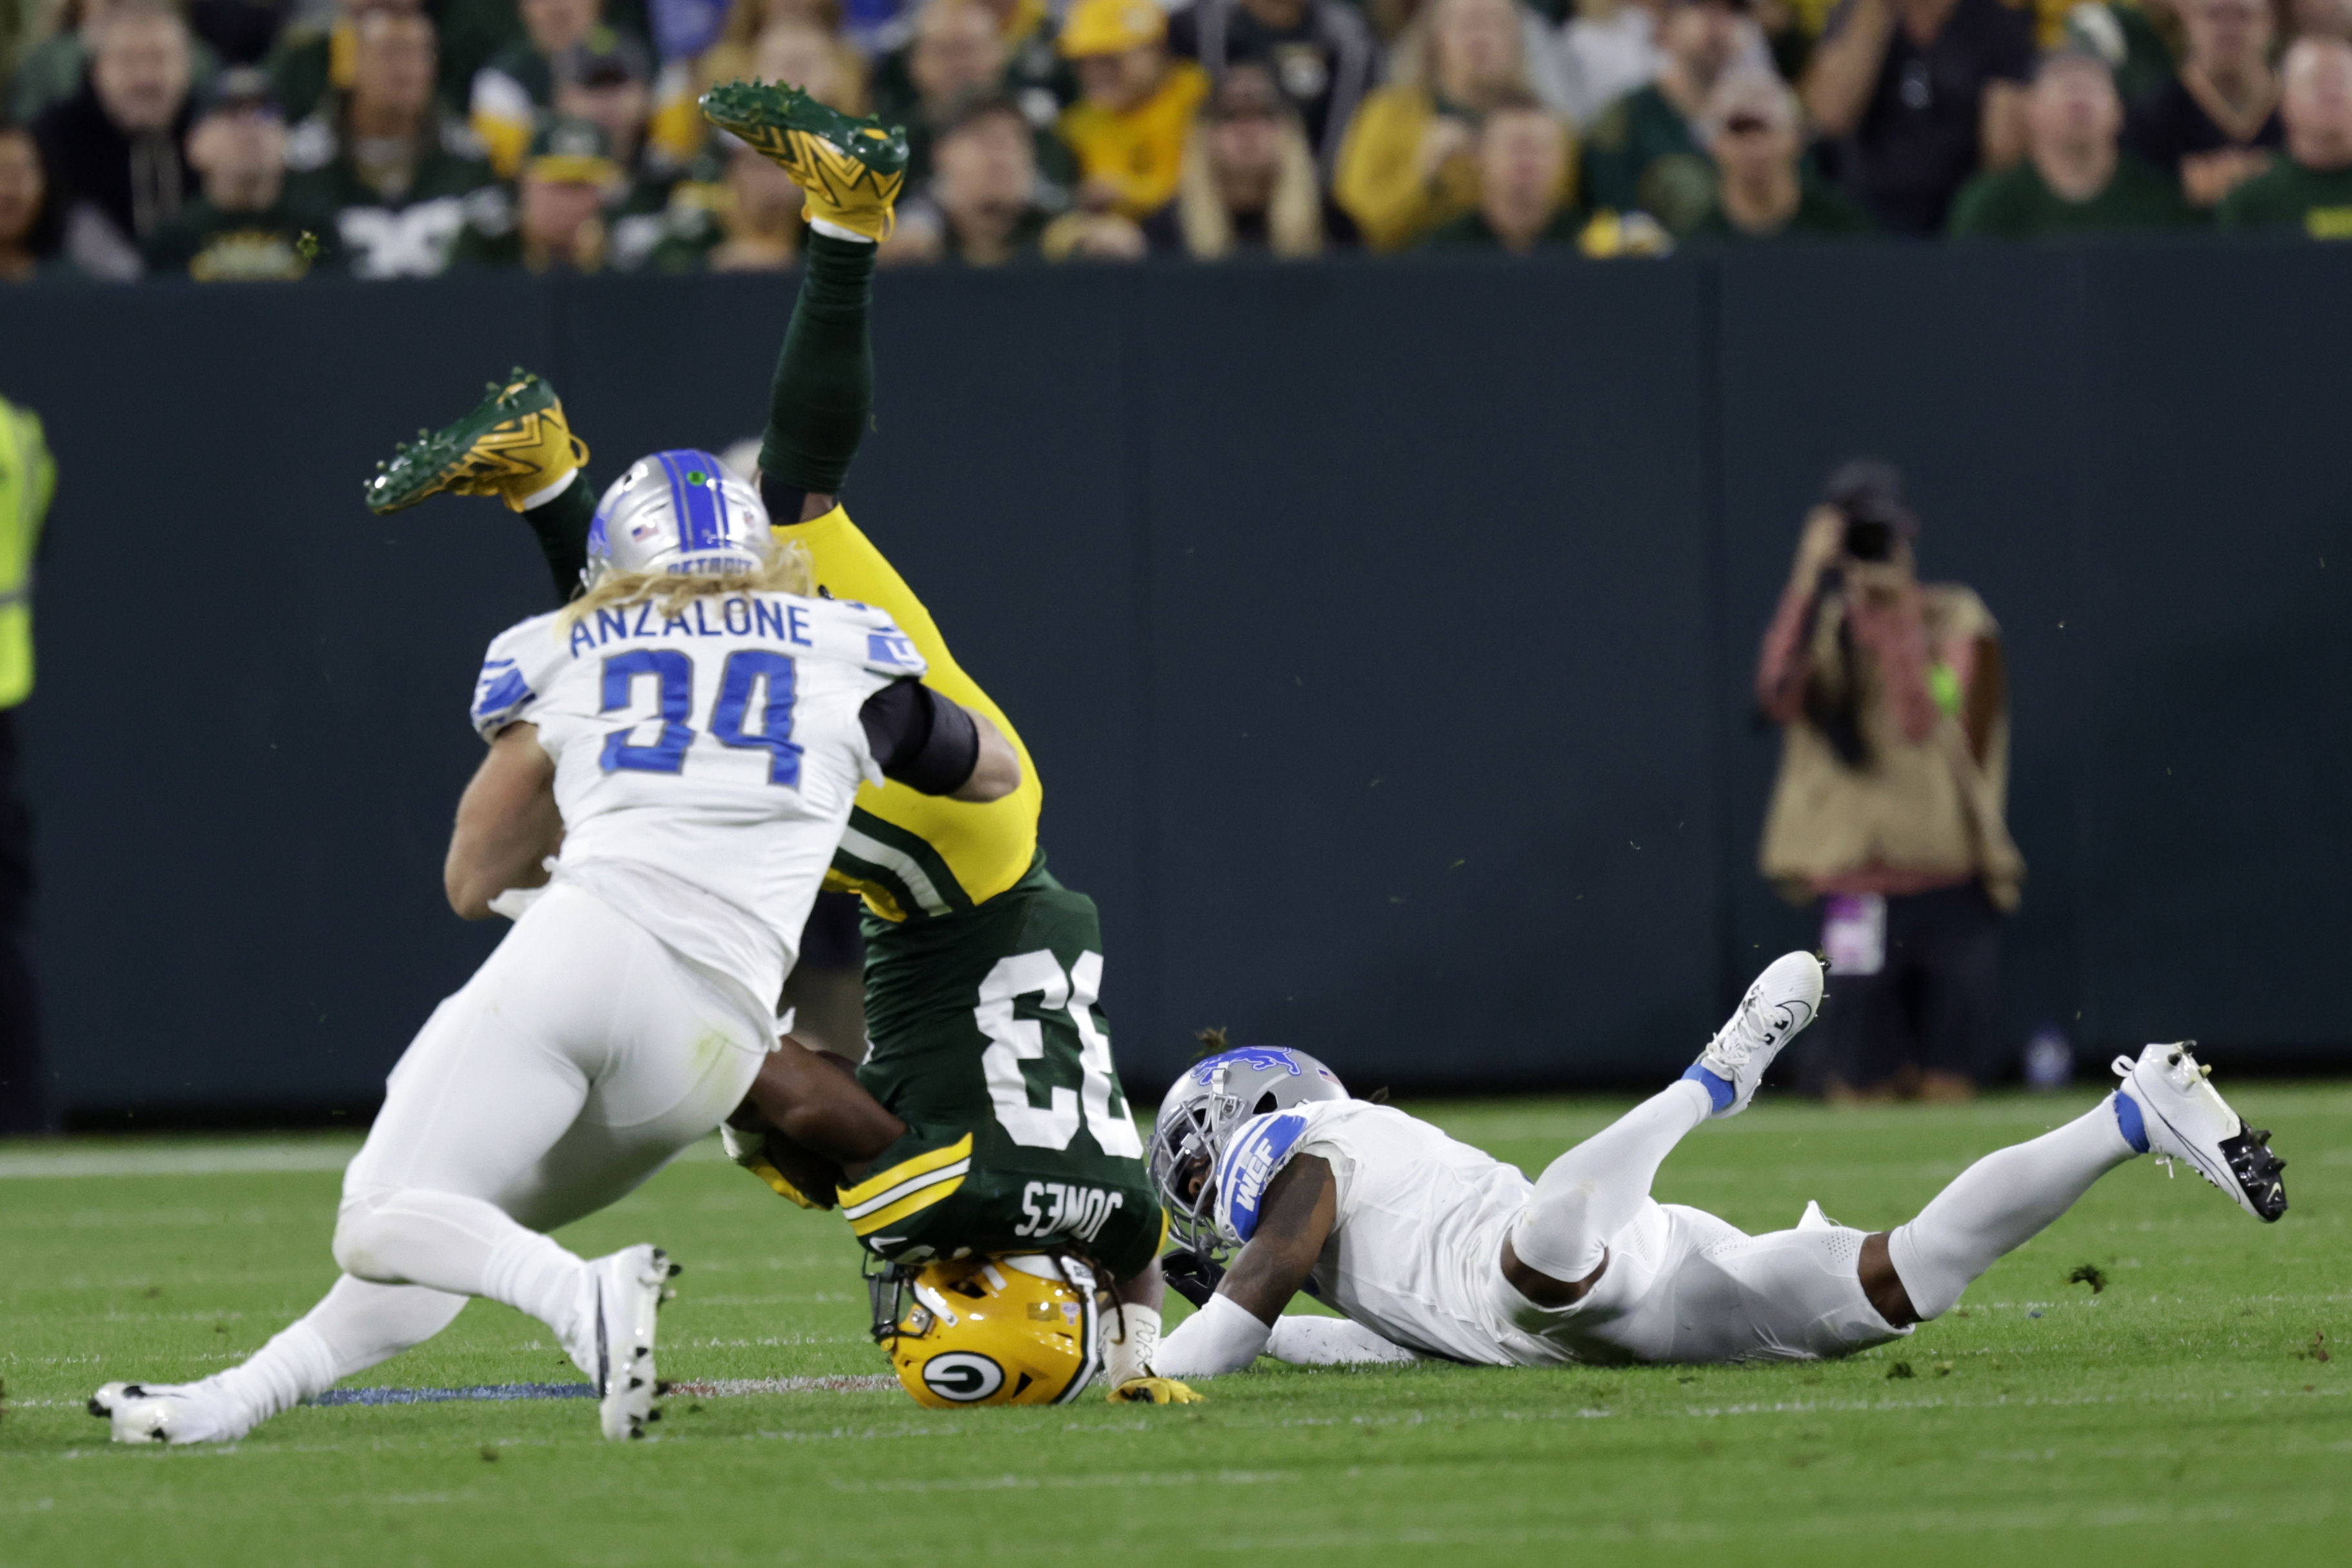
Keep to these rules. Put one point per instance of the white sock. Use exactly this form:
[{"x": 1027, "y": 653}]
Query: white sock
[
  {"x": 464, "y": 1246},
  {"x": 1998, "y": 1204},
  {"x": 1593, "y": 1191},
  {"x": 353, "y": 1327}
]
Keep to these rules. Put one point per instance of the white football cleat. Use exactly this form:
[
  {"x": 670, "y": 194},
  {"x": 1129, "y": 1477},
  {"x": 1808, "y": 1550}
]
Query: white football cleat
[
  {"x": 168, "y": 1413},
  {"x": 628, "y": 1288},
  {"x": 2183, "y": 1118},
  {"x": 1785, "y": 998}
]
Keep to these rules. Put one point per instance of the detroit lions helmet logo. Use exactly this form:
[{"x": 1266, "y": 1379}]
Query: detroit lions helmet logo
[{"x": 1265, "y": 1058}]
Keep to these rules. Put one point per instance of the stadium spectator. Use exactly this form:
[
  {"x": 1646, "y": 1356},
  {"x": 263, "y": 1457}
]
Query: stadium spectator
[
  {"x": 240, "y": 31},
  {"x": 2134, "y": 37},
  {"x": 748, "y": 221},
  {"x": 2075, "y": 179},
  {"x": 1765, "y": 187},
  {"x": 1409, "y": 162},
  {"x": 1030, "y": 69},
  {"x": 31, "y": 225},
  {"x": 1920, "y": 94},
  {"x": 608, "y": 80},
  {"x": 800, "y": 54},
  {"x": 957, "y": 54},
  {"x": 1527, "y": 175},
  {"x": 28, "y": 478},
  {"x": 980, "y": 207},
  {"x": 2216, "y": 123},
  {"x": 2310, "y": 190},
  {"x": 1135, "y": 107},
  {"x": 311, "y": 61},
  {"x": 52, "y": 71},
  {"x": 1250, "y": 184},
  {"x": 567, "y": 175},
  {"x": 1607, "y": 49},
  {"x": 509, "y": 93},
  {"x": 115, "y": 148},
  {"x": 1320, "y": 52},
  {"x": 1888, "y": 810},
  {"x": 403, "y": 179},
  {"x": 1642, "y": 153},
  {"x": 241, "y": 228},
  {"x": 737, "y": 54}
]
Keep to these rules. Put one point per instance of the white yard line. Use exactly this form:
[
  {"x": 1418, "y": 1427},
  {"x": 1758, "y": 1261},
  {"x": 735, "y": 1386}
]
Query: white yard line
[{"x": 304, "y": 1156}]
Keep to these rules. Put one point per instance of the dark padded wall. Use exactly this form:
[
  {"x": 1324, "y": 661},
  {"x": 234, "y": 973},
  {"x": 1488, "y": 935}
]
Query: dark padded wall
[
  {"x": 1429, "y": 783},
  {"x": 2218, "y": 749},
  {"x": 1383, "y": 632}
]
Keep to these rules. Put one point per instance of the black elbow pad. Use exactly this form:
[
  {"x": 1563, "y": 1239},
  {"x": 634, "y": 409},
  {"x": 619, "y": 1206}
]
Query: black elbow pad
[{"x": 920, "y": 739}]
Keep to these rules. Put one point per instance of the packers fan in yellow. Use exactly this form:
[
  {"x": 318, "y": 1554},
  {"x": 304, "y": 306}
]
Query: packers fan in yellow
[{"x": 1011, "y": 1137}]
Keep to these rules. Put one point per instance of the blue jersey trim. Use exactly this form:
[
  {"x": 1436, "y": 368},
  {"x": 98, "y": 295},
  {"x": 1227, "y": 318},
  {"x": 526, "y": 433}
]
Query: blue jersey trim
[
  {"x": 500, "y": 692},
  {"x": 1249, "y": 1163}
]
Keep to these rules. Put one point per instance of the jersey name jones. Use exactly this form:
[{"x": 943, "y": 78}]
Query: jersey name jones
[{"x": 1074, "y": 1210}]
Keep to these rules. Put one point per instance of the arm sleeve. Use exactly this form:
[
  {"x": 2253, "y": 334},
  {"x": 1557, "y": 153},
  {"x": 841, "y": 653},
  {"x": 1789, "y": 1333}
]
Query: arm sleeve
[
  {"x": 1221, "y": 1337},
  {"x": 561, "y": 523},
  {"x": 1784, "y": 663},
  {"x": 1331, "y": 1342},
  {"x": 920, "y": 739}
]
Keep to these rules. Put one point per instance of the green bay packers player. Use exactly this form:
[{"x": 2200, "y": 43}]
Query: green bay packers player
[{"x": 984, "y": 975}]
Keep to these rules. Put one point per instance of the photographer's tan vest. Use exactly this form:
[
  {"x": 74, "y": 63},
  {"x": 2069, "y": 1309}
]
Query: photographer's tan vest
[{"x": 1926, "y": 807}]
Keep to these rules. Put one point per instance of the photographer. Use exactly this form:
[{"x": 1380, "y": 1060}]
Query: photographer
[{"x": 1893, "y": 768}]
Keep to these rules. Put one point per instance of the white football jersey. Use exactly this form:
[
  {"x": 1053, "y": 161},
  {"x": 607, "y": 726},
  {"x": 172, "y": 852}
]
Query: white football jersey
[
  {"x": 1420, "y": 1226},
  {"x": 705, "y": 761}
]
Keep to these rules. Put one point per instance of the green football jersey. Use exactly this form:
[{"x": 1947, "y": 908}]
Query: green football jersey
[{"x": 988, "y": 1041}]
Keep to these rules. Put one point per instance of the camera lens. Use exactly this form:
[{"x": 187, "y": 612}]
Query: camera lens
[{"x": 1869, "y": 540}]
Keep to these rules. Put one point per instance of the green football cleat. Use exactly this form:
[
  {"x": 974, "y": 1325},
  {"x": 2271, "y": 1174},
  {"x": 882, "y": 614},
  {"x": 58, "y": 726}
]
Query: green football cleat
[
  {"x": 516, "y": 444},
  {"x": 851, "y": 170}
]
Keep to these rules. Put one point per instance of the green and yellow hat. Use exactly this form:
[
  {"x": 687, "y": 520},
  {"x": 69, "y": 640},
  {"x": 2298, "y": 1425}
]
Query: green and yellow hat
[
  {"x": 571, "y": 150},
  {"x": 1112, "y": 26}
]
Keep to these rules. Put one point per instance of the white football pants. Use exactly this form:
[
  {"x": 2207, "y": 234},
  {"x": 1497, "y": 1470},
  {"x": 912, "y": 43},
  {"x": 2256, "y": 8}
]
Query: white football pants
[
  {"x": 580, "y": 1058},
  {"x": 1683, "y": 1286}
]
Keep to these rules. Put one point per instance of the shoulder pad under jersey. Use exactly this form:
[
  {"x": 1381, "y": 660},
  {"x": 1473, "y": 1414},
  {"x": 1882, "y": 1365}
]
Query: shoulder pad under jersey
[{"x": 514, "y": 672}]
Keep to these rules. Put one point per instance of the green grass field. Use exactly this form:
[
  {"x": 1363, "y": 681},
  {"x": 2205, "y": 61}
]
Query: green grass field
[{"x": 2182, "y": 1414}]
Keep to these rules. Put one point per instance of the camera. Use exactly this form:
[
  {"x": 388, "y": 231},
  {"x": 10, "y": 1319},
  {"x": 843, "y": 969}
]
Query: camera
[
  {"x": 1868, "y": 538},
  {"x": 1870, "y": 494}
]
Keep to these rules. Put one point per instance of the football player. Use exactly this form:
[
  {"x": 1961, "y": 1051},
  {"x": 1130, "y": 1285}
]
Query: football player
[
  {"x": 1434, "y": 1250},
  {"x": 680, "y": 747},
  {"x": 986, "y": 1044}
]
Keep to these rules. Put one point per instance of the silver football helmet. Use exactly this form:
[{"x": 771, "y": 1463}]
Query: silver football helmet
[
  {"x": 1213, "y": 1097},
  {"x": 681, "y": 511}
]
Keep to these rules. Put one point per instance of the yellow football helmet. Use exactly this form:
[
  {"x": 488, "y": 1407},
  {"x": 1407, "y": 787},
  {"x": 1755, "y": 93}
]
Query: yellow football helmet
[{"x": 1019, "y": 1329}]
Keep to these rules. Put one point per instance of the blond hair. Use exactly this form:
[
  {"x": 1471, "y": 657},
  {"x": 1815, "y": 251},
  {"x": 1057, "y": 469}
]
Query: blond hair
[
  {"x": 1294, "y": 209},
  {"x": 788, "y": 570}
]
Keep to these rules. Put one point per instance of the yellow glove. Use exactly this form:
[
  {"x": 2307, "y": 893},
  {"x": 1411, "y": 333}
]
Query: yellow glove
[
  {"x": 750, "y": 1151},
  {"x": 1155, "y": 1391}
]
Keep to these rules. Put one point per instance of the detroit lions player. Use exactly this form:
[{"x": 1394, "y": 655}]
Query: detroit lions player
[
  {"x": 1433, "y": 1248},
  {"x": 684, "y": 740}
]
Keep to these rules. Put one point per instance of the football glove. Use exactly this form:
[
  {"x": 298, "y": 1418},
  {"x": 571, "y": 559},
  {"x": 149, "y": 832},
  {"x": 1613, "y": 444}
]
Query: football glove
[
  {"x": 1155, "y": 1391},
  {"x": 751, "y": 1151},
  {"x": 1191, "y": 1275}
]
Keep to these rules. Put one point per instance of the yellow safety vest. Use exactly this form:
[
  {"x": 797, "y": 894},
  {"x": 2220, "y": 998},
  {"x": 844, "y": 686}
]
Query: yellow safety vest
[{"x": 28, "y": 478}]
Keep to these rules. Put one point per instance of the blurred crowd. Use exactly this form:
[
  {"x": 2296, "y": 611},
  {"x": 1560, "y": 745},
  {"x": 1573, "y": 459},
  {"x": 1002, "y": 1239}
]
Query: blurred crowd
[{"x": 274, "y": 138}]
